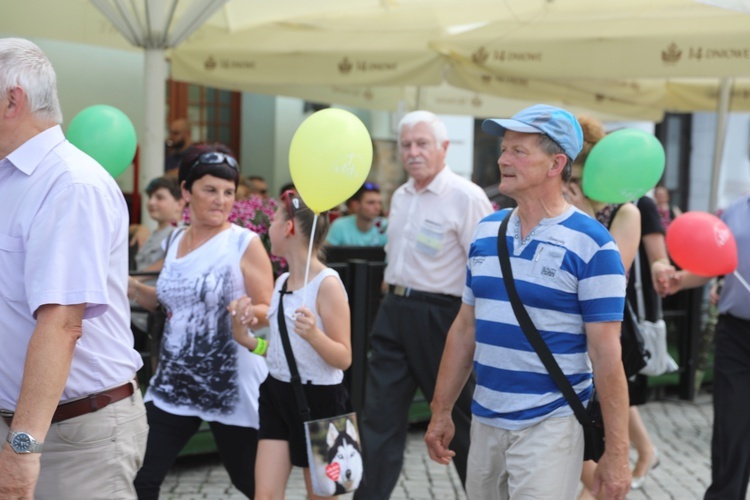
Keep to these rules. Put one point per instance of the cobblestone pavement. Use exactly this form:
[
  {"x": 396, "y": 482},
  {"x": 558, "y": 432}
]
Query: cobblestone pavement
[{"x": 681, "y": 431}]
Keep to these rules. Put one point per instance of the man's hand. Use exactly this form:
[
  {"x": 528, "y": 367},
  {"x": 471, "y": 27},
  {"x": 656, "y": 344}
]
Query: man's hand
[
  {"x": 18, "y": 474},
  {"x": 439, "y": 436},
  {"x": 612, "y": 477}
]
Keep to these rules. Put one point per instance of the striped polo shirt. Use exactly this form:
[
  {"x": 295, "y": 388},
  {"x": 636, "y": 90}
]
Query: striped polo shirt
[{"x": 568, "y": 273}]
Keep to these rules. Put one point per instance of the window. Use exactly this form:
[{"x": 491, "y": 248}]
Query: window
[
  {"x": 214, "y": 114},
  {"x": 675, "y": 133}
]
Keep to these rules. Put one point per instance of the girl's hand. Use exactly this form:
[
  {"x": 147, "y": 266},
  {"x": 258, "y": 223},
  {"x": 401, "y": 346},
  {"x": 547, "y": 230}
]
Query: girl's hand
[
  {"x": 241, "y": 312},
  {"x": 304, "y": 324}
]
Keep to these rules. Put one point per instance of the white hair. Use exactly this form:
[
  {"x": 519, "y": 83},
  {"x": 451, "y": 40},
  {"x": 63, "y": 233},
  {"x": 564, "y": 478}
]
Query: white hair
[
  {"x": 23, "y": 64},
  {"x": 411, "y": 119}
]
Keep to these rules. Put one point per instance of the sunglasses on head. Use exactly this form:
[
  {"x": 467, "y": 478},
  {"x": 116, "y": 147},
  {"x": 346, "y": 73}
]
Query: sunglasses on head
[
  {"x": 371, "y": 186},
  {"x": 215, "y": 158},
  {"x": 291, "y": 201}
]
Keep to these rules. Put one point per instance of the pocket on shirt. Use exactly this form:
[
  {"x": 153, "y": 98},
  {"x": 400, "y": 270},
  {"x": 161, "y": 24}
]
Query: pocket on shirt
[
  {"x": 12, "y": 261},
  {"x": 547, "y": 262},
  {"x": 430, "y": 238}
]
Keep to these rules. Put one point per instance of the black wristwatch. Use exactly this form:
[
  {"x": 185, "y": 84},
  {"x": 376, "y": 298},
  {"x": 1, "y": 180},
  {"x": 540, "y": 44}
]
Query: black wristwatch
[{"x": 23, "y": 442}]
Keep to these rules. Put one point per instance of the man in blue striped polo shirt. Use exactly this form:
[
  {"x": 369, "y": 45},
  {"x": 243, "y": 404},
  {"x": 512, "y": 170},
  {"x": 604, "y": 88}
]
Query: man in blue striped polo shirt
[{"x": 525, "y": 440}]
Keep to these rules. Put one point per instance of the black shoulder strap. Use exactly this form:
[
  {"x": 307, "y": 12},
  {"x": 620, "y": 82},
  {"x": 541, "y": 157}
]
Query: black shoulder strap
[
  {"x": 532, "y": 334},
  {"x": 299, "y": 392},
  {"x": 614, "y": 214}
]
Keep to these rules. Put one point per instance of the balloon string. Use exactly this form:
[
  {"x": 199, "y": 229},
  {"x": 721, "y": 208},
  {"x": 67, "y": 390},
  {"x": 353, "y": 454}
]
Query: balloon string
[
  {"x": 741, "y": 280},
  {"x": 309, "y": 256}
]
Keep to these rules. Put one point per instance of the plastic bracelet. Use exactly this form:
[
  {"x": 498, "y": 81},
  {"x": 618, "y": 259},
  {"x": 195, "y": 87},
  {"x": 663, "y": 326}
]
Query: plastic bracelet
[{"x": 261, "y": 347}]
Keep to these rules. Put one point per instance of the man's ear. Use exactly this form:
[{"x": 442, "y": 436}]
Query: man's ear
[
  {"x": 559, "y": 162},
  {"x": 16, "y": 97}
]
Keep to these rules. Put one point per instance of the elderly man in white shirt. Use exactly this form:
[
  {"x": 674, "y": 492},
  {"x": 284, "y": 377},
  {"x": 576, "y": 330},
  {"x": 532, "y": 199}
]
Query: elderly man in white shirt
[
  {"x": 430, "y": 225},
  {"x": 73, "y": 420}
]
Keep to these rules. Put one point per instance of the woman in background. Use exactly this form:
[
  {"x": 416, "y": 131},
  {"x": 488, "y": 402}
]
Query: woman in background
[
  {"x": 667, "y": 212},
  {"x": 624, "y": 223}
]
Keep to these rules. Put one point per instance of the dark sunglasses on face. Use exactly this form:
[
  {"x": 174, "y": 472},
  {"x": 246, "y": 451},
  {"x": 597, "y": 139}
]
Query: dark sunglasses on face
[{"x": 215, "y": 158}]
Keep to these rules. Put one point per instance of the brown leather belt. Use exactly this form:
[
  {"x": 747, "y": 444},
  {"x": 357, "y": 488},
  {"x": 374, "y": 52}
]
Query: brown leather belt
[{"x": 87, "y": 404}]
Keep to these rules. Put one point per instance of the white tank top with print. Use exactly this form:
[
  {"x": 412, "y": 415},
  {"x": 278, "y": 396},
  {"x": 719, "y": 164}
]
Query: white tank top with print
[{"x": 202, "y": 371}]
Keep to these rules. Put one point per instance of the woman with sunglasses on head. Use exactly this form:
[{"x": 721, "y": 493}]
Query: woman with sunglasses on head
[
  {"x": 317, "y": 319},
  {"x": 202, "y": 373}
]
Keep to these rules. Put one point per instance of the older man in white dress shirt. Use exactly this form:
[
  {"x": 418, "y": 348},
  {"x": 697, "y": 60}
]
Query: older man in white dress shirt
[
  {"x": 430, "y": 225},
  {"x": 73, "y": 421}
]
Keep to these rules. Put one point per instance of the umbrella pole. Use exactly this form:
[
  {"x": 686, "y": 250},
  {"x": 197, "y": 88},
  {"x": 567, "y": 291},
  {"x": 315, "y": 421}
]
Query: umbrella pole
[
  {"x": 152, "y": 141},
  {"x": 725, "y": 88}
]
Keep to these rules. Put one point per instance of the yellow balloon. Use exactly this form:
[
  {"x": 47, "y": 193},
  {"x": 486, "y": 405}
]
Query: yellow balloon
[{"x": 329, "y": 158}]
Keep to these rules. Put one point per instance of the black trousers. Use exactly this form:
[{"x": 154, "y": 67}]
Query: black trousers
[
  {"x": 730, "y": 444},
  {"x": 169, "y": 433},
  {"x": 407, "y": 343}
]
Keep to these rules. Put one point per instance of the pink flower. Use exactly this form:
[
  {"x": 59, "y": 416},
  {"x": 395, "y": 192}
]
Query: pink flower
[{"x": 255, "y": 214}]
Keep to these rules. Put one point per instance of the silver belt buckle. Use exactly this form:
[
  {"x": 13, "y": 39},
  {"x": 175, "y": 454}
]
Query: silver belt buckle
[{"x": 401, "y": 291}]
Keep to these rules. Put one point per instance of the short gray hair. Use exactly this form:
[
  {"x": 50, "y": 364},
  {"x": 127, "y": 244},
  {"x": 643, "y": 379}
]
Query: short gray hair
[
  {"x": 439, "y": 131},
  {"x": 23, "y": 64},
  {"x": 550, "y": 147}
]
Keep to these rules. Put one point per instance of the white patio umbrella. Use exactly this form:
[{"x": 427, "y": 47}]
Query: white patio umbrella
[
  {"x": 642, "y": 39},
  {"x": 157, "y": 25},
  {"x": 152, "y": 25},
  {"x": 616, "y": 56}
]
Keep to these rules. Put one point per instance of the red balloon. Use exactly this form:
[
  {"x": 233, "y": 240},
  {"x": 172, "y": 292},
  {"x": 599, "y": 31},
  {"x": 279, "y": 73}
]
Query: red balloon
[{"x": 702, "y": 244}]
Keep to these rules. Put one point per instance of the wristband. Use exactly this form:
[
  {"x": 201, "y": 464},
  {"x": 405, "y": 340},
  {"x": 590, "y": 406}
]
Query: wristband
[
  {"x": 663, "y": 260},
  {"x": 261, "y": 347}
]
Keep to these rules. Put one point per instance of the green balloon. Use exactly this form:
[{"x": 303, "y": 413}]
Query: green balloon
[
  {"x": 107, "y": 135},
  {"x": 623, "y": 166}
]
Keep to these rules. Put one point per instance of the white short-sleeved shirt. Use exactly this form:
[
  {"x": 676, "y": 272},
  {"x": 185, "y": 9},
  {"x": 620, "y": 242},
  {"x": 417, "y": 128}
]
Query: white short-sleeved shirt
[
  {"x": 63, "y": 240},
  {"x": 429, "y": 233}
]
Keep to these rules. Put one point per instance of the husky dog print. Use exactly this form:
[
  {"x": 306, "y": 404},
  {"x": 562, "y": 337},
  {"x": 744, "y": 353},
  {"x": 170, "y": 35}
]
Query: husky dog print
[{"x": 343, "y": 460}]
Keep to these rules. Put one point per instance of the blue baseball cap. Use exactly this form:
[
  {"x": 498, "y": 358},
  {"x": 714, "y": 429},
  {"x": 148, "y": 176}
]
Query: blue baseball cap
[{"x": 556, "y": 123}]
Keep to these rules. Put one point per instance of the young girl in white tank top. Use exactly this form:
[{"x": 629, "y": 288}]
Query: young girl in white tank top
[{"x": 318, "y": 322}]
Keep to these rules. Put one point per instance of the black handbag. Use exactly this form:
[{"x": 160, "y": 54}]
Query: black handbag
[
  {"x": 591, "y": 417},
  {"x": 634, "y": 353},
  {"x": 157, "y": 319}
]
